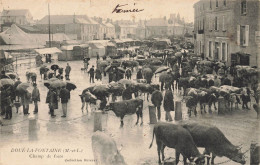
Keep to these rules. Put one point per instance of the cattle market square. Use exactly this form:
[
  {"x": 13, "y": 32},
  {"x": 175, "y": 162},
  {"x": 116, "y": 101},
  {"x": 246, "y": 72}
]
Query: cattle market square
[{"x": 157, "y": 97}]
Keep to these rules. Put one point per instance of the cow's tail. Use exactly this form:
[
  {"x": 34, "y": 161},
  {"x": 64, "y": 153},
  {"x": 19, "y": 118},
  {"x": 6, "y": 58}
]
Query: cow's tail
[{"x": 152, "y": 140}]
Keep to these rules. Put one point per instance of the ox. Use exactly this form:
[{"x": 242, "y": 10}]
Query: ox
[
  {"x": 127, "y": 107},
  {"x": 105, "y": 150},
  {"x": 214, "y": 141},
  {"x": 175, "y": 136}
]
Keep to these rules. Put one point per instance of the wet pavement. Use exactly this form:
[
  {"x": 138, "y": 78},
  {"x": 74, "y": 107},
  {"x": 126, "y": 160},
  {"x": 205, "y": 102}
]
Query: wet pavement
[{"x": 74, "y": 132}]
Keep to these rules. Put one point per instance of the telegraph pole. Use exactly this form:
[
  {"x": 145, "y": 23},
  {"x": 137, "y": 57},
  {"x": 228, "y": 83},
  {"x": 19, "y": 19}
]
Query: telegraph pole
[{"x": 49, "y": 25}]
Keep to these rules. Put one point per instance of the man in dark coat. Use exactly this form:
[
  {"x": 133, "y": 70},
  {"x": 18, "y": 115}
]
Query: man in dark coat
[
  {"x": 51, "y": 99},
  {"x": 64, "y": 95},
  {"x": 157, "y": 98},
  {"x": 3, "y": 75},
  {"x": 127, "y": 93},
  {"x": 67, "y": 71},
  {"x": 139, "y": 74},
  {"x": 168, "y": 104},
  {"x": 35, "y": 97},
  {"x": 226, "y": 81},
  {"x": 91, "y": 73}
]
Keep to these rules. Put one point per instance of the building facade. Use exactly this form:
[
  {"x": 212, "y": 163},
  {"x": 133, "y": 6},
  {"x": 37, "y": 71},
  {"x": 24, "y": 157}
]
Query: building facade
[
  {"x": 19, "y": 17},
  {"x": 78, "y": 27},
  {"x": 223, "y": 28},
  {"x": 156, "y": 27}
]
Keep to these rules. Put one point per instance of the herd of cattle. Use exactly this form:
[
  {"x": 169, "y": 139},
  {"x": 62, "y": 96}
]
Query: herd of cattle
[{"x": 184, "y": 137}]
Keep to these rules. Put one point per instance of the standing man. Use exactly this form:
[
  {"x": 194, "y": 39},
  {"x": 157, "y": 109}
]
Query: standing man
[
  {"x": 91, "y": 73},
  {"x": 217, "y": 81},
  {"x": 25, "y": 100},
  {"x": 168, "y": 104},
  {"x": 51, "y": 100},
  {"x": 157, "y": 98},
  {"x": 35, "y": 97},
  {"x": 97, "y": 56},
  {"x": 64, "y": 93},
  {"x": 67, "y": 71},
  {"x": 139, "y": 74},
  {"x": 98, "y": 74}
]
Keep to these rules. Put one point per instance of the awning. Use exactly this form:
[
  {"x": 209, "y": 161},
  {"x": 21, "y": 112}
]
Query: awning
[
  {"x": 19, "y": 47},
  {"x": 48, "y": 50}
]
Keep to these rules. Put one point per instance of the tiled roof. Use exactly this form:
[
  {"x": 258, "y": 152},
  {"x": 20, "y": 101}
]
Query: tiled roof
[
  {"x": 67, "y": 19},
  {"x": 157, "y": 22},
  {"x": 18, "y": 12}
]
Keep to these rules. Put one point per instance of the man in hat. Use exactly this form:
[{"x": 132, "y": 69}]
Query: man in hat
[
  {"x": 91, "y": 73},
  {"x": 35, "y": 97},
  {"x": 67, "y": 71}
]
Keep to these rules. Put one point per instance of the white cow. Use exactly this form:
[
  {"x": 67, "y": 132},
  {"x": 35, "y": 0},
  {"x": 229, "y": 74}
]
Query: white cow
[{"x": 105, "y": 150}]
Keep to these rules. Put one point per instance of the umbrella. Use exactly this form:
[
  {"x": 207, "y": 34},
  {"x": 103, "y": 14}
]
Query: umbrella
[
  {"x": 121, "y": 69},
  {"x": 71, "y": 86},
  {"x": 161, "y": 69},
  {"x": 104, "y": 64},
  {"x": 100, "y": 90},
  {"x": 90, "y": 89},
  {"x": 7, "y": 81},
  {"x": 165, "y": 77},
  {"x": 11, "y": 75},
  {"x": 47, "y": 84},
  {"x": 33, "y": 74},
  {"x": 55, "y": 67},
  {"x": 220, "y": 64},
  {"x": 57, "y": 84},
  {"x": 178, "y": 54},
  {"x": 23, "y": 87},
  {"x": 108, "y": 68},
  {"x": 53, "y": 79},
  {"x": 140, "y": 57},
  {"x": 43, "y": 69},
  {"x": 126, "y": 81},
  {"x": 116, "y": 88}
]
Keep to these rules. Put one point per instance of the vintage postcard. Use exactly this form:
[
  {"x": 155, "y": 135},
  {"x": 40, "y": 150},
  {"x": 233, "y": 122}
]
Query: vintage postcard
[{"x": 137, "y": 82}]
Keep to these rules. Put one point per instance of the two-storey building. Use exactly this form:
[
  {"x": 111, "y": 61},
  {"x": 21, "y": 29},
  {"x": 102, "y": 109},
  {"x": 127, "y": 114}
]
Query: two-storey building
[{"x": 226, "y": 30}]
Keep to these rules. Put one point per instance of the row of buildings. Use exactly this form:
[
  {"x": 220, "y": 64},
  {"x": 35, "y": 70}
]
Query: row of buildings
[
  {"x": 84, "y": 28},
  {"x": 228, "y": 30}
]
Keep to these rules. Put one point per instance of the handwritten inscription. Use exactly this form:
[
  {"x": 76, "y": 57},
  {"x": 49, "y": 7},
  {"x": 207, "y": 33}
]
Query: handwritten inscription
[{"x": 119, "y": 9}]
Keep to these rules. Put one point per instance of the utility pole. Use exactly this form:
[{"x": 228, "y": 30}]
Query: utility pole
[{"x": 49, "y": 25}]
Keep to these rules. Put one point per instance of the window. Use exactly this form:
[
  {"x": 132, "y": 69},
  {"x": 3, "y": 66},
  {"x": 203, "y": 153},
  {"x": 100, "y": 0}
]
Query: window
[
  {"x": 243, "y": 35},
  {"x": 203, "y": 24},
  {"x": 243, "y": 7},
  {"x": 216, "y": 51},
  {"x": 216, "y": 23},
  {"x": 223, "y": 51},
  {"x": 216, "y": 3},
  {"x": 210, "y": 5},
  {"x": 210, "y": 49},
  {"x": 224, "y": 2},
  {"x": 210, "y": 24},
  {"x": 223, "y": 25}
]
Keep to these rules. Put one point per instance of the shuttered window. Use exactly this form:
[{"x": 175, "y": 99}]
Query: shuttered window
[{"x": 223, "y": 24}]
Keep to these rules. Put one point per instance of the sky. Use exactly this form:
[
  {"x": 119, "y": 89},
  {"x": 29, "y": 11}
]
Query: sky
[{"x": 104, "y": 8}]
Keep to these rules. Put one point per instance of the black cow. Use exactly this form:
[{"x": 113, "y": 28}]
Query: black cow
[
  {"x": 175, "y": 136},
  {"x": 127, "y": 107},
  {"x": 214, "y": 141}
]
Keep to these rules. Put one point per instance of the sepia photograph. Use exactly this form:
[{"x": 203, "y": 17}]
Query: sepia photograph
[{"x": 129, "y": 82}]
